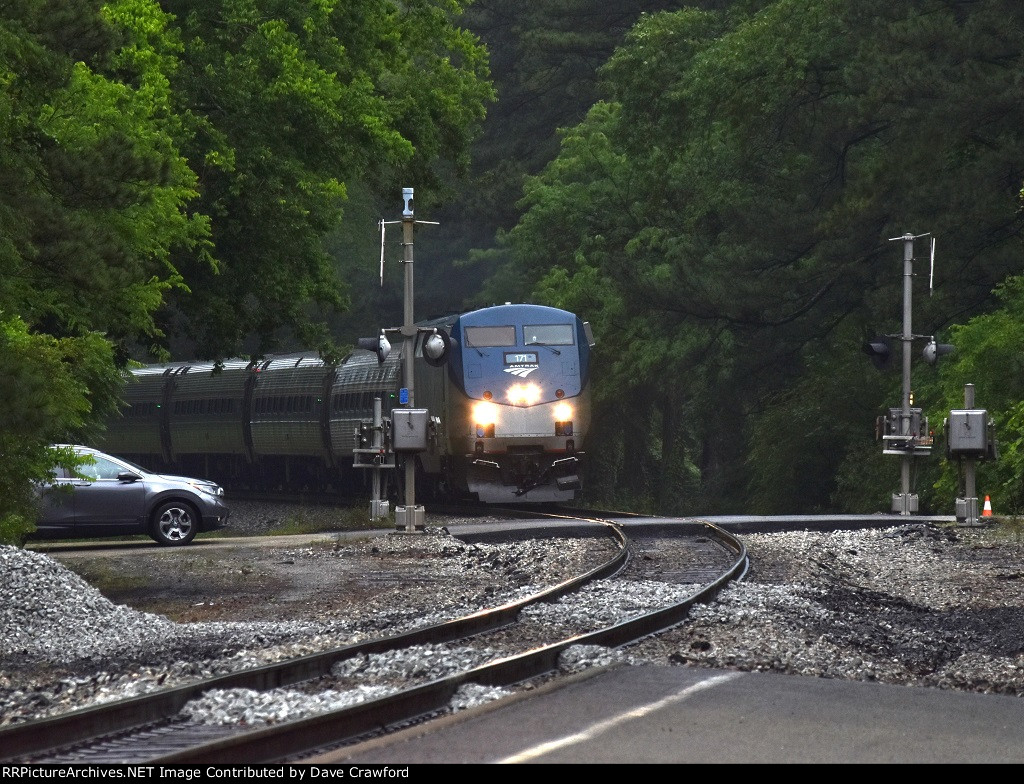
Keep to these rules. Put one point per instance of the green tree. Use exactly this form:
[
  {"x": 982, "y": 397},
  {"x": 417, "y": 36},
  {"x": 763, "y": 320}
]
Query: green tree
[
  {"x": 737, "y": 191},
  {"x": 291, "y": 104},
  {"x": 92, "y": 205},
  {"x": 988, "y": 355},
  {"x": 196, "y": 155},
  {"x": 94, "y": 188},
  {"x": 50, "y": 387}
]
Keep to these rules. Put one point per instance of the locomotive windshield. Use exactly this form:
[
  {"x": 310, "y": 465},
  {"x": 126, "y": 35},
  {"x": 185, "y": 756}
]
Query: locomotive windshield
[
  {"x": 485, "y": 337},
  {"x": 547, "y": 334}
]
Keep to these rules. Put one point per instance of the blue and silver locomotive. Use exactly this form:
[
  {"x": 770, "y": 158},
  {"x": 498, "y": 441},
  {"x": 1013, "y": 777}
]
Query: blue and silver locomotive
[{"x": 506, "y": 402}]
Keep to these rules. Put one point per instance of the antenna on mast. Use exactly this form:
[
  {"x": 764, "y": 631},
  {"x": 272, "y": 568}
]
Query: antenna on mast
[
  {"x": 931, "y": 275},
  {"x": 381, "y": 222}
]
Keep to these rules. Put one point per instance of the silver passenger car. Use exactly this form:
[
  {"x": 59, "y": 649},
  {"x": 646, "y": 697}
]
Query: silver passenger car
[{"x": 112, "y": 496}]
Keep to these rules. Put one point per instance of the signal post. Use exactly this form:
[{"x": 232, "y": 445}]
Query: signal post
[
  {"x": 905, "y": 431},
  {"x": 969, "y": 433},
  {"x": 410, "y": 426},
  {"x": 409, "y": 430},
  {"x": 970, "y": 437}
]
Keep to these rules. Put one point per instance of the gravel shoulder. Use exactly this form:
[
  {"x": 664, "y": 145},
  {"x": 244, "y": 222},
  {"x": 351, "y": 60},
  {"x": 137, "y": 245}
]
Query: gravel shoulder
[{"x": 919, "y": 605}]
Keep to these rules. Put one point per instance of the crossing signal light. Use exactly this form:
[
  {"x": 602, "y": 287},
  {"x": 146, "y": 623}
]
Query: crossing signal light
[
  {"x": 378, "y": 345},
  {"x": 934, "y": 350},
  {"x": 436, "y": 348},
  {"x": 880, "y": 351}
]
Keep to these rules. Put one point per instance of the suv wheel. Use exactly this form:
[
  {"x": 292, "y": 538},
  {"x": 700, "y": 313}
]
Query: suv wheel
[{"x": 174, "y": 524}]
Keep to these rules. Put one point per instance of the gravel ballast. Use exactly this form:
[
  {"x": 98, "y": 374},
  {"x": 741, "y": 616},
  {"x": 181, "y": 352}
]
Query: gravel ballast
[{"x": 919, "y": 604}]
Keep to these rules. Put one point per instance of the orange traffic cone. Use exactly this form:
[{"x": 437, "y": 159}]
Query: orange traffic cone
[{"x": 987, "y": 511}]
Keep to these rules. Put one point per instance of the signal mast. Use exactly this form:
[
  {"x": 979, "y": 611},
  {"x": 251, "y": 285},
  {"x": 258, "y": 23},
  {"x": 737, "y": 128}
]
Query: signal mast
[{"x": 904, "y": 431}]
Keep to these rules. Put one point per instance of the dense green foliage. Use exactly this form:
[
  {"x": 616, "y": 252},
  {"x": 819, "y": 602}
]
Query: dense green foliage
[
  {"x": 724, "y": 216},
  {"x": 291, "y": 103},
  {"x": 714, "y": 185},
  {"x": 171, "y": 176},
  {"x": 989, "y": 356},
  {"x": 92, "y": 195},
  {"x": 544, "y": 60}
]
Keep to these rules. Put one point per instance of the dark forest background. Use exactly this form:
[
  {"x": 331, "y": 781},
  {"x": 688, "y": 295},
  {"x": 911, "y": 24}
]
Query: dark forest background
[{"x": 715, "y": 186}]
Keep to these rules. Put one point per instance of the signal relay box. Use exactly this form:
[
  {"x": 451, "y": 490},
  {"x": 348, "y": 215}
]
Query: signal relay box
[
  {"x": 970, "y": 433},
  {"x": 902, "y": 435},
  {"x": 409, "y": 429}
]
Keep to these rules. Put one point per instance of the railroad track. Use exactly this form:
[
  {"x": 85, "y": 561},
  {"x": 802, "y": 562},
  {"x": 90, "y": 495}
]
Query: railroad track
[{"x": 150, "y": 730}]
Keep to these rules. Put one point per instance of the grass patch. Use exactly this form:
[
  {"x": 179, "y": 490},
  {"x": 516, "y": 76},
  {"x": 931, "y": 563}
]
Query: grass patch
[
  {"x": 323, "y": 520},
  {"x": 1009, "y": 527},
  {"x": 97, "y": 541},
  {"x": 109, "y": 579}
]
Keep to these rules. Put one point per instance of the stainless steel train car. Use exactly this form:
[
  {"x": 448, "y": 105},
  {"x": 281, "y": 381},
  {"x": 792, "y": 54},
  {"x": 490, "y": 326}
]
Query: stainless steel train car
[{"x": 508, "y": 408}]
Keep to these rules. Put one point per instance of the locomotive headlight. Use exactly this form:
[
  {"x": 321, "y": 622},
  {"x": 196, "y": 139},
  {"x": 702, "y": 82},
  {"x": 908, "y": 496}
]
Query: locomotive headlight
[
  {"x": 485, "y": 413},
  {"x": 563, "y": 419},
  {"x": 523, "y": 394}
]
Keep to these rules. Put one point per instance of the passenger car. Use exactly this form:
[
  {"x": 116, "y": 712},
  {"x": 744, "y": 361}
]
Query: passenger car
[{"x": 114, "y": 496}]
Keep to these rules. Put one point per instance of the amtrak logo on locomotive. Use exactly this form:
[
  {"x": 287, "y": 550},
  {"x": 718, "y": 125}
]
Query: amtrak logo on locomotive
[
  {"x": 521, "y": 371},
  {"x": 521, "y": 363}
]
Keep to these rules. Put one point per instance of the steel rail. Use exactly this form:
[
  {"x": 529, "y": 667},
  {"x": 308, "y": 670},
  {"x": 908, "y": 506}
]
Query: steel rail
[
  {"x": 305, "y": 736},
  {"x": 36, "y": 738}
]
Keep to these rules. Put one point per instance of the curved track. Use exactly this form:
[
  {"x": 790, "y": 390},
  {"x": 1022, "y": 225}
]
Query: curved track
[{"x": 144, "y": 729}]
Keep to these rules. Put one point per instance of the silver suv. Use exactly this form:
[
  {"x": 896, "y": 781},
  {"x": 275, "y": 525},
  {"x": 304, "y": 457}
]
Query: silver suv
[{"x": 114, "y": 497}]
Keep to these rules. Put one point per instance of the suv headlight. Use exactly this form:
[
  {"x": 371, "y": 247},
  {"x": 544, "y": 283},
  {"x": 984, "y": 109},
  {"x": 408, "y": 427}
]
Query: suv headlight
[{"x": 214, "y": 490}]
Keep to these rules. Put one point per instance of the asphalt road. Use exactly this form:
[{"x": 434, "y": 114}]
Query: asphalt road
[{"x": 679, "y": 715}]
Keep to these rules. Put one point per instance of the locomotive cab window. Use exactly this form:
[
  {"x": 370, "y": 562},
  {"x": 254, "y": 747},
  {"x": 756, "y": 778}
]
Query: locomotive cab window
[
  {"x": 547, "y": 335},
  {"x": 490, "y": 337}
]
